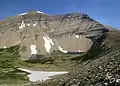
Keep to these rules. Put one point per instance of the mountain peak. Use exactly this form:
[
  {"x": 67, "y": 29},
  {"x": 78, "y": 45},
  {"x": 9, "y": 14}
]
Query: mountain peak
[
  {"x": 31, "y": 12},
  {"x": 34, "y": 12}
]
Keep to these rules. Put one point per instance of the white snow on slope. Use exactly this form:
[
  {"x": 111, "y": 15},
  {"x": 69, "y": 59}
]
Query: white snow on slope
[
  {"x": 77, "y": 36},
  {"x": 39, "y": 12},
  {"x": 25, "y": 70},
  {"x": 50, "y": 40},
  {"x": 28, "y": 24},
  {"x": 22, "y": 25},
  {"x": 61, "y": 49},
  {"x": 22, "y": 14},
  {"x": 48, "y": 43},
  {"x": 4, "y": 47},
  {"x": 40, "y": 75},
  {"x": 33, "y": 49},
  {"x": 34, "y": 24},
  {"x": 27, "y": 12}
]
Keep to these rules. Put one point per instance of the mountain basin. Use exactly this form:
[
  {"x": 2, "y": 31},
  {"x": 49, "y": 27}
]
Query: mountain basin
[{"x": 35, "y": 76}]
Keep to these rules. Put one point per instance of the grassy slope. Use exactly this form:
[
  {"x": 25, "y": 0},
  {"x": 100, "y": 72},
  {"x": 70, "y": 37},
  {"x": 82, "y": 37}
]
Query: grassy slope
[
  {"x": 59, "y": 63},
  {"x": 10, "y": 61},
  {"x": 8, "y": 67}
]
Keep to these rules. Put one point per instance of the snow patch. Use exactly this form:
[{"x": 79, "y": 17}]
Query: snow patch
[
  {"x": 28, "y": 24},
  {"x": 22, "y": 14},
  {"x": 48, "y": 43},
  {"x": 33, "y": 49},
  {"x": 50, "y": 40},
  {"x": 35, "y": 76},
  {"x": 22, "y": 25},
  {"x": 61, "y": 49},
  {"x": 25, "y": 70},
  {"x": 4, "y": 47},
  {"x": 34, "y": 24},
  {"x": 118, "y": 80},
  {"x": 39, "y": 12},
  {"x": 77, "y": 36}
]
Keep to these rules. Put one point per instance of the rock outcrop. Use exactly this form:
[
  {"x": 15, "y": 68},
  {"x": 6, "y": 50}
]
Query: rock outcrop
[{"x": 68, "y": 33}]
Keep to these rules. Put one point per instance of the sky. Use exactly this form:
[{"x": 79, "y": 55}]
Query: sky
[{"x": 104, "y": 11}]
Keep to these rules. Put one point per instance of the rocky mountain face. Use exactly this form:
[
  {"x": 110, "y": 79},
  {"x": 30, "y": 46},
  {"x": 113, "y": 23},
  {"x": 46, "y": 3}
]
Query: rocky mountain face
[
  {"x": 40, "y": 33},
  {"x": 99, "y": 66}
]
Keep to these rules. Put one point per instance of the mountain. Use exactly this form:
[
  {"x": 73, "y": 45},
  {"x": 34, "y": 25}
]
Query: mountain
[
  {"x": 41, "y": 33},
  {"x": 99, "y": 66},
  {"x": 35, "y": 33}
]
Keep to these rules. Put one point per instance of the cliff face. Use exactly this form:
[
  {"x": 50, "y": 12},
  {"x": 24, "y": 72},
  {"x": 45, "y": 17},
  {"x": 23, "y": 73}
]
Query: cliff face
[{"x": 41, "y": 33}]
